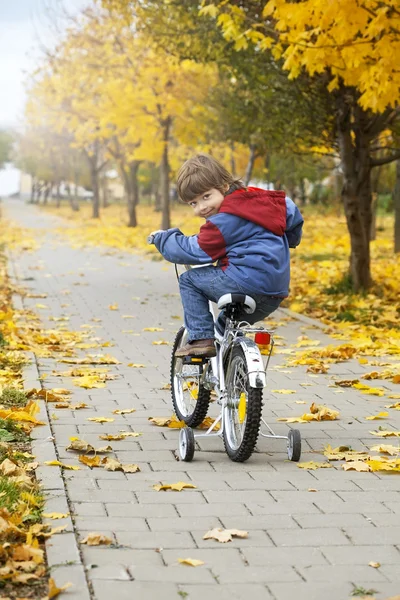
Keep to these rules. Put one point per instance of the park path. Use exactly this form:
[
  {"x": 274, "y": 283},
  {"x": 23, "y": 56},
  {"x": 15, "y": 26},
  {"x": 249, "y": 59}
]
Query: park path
[{"x": 311, "y": 545}]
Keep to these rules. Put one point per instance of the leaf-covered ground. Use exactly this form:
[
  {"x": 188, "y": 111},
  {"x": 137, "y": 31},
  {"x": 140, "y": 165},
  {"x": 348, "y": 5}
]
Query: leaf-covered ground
[{"x": 23, "y": 571}]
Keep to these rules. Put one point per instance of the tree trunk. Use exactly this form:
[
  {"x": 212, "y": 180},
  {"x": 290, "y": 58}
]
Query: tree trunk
[
  {"x": 303, "y": 196},
  {"x": 33, "y": 190},
  {"x": 356, "y": 192},
  {"x": 396, "y": 203},
  {"x": 75, "y": 200},
  {"x": 47, "y": 189},
  {"x": 164, "y": 177},
  {"x": 250, "y": 165},
  {"x": 134, "y": 192},
  {"x": 58, "y": 196},
  {"x": 94, "y": 176},
  {"x": 104, "y": 192},
  {"x": 233, "y": 164},
  {"x": 374, "y": 208}
]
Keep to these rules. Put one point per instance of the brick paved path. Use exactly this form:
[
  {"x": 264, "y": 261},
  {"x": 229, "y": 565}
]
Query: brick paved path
[{"x": 301, "y": 544}]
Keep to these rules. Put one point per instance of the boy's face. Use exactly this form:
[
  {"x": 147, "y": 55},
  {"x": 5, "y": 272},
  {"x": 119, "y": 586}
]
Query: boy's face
[{"x": 208, "y": 203}]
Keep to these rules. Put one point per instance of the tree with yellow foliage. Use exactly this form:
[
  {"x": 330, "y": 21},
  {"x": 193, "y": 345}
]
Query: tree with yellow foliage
[{"x": 352, "y": 46}]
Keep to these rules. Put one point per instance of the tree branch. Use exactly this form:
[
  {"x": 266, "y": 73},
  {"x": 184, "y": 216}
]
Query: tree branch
[{"x": 377, "y": 162}]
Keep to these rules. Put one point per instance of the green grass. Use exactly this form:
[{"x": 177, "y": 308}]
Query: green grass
[
  {"x": 9, "y": 493},
  {"x": 13, "y": 397},
  {"x": 13, "y": 428}
]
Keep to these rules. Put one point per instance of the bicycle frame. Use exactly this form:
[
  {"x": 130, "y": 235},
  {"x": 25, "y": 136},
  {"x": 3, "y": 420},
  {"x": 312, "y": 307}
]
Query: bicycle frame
[{"x": 214, "y": 376}]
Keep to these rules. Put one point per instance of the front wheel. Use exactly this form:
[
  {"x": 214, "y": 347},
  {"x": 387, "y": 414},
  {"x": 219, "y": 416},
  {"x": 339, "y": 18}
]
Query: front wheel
[
  {"x": 189, "y": 398},
  {"x": 243, "y": 409}
]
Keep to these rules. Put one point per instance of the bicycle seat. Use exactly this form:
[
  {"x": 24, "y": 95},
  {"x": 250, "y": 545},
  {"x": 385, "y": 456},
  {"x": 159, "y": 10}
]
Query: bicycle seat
[{"x": 247, "y": 302}]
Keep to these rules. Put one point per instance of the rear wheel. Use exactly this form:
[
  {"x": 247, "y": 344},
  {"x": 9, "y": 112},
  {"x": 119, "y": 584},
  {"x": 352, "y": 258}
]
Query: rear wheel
[
  {"x": 189, "y": 398},
  {"x": 243, "y": 411}
]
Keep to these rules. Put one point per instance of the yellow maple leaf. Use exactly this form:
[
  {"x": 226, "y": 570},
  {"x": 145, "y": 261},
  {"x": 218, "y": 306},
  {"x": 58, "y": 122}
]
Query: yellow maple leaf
[
  {"x": 57, "y": 463},
  {"x": 193, "y": 562},
  {"x": 55, "y": 515},
  {"x": 312, "y": 465},
  {"x": 54, "y": 590},
  {"x": 96, "y": 539},
  {"x": 381, "y": 415},
  {"x": 101, "y": 419},
  {"x": 224, "y": 535},
  {"x": 176, "y": 487}
]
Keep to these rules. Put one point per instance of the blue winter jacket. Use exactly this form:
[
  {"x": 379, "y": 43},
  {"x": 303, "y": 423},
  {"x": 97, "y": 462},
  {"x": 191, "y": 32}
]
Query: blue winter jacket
[{"x": 249, "y": 237}]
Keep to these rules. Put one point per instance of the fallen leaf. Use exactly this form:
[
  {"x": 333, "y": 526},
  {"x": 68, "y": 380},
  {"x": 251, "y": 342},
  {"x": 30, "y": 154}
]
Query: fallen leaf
[
  {"x": 136, "y": 365},
  {"x": 89, "y": 461},
  {"x": 356, "y": 465},
  {"x": 284, "y": 391},
  {"x": 55, "y": 515},
  {"x": 57, "y": 463},
  {"x": 176, "y": 487},
  {"x": 152, "y": 329},
  {"x": 385, "y": 433},
  {"x": 119, "y": 436},
  {"x": 381, "y": 415},
  {"x": 375, "y": 565},
  {"x": 113, "y": 307},
  {"x": 224, "y": 535},
  {"x": 124, "y": 411},
  {"x": 312, "y": 465},
  {"x": 193, "y": 562},
  {"x": 97, "y": 539},
  {"x": 111, "y": 464},
  {"x": 79, "y": 445},
  {"x": 101, "y": 419},
  {"x": 7, "y": 467},
  {"x": 130, "y": 468},
  {"x": 396, "y": 405},
  {"x": 387, "y": 449}
]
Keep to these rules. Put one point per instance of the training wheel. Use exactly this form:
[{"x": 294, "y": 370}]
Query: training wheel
[
  {"x": 186, "y": 444},
  {"x": 294, "y": 445}
]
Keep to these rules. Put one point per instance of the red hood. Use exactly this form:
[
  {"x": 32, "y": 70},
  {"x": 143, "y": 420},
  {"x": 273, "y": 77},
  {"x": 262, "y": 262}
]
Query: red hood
[{"x": 263, "y": 207}]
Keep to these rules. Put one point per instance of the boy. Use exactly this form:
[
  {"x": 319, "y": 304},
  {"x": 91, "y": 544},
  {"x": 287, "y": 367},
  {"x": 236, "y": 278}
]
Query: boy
[{"x": 248, "y": 231}]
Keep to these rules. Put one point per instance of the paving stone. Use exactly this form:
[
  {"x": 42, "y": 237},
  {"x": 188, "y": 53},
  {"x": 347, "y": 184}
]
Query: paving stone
[
  {"x": 361, "y": 555},
  {"x": 309, "y": 537},
  {"x": 104, "y": 590},
  {"x": 156, "y": 539},
  {"x": 237, "y": 591},
  {"x": 293, "y": 556},
  {"x": 375, "y": 535}
]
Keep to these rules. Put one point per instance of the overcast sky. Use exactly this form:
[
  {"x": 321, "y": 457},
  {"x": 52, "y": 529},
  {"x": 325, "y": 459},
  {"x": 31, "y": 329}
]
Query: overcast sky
[{"x": 25, "y": 25}]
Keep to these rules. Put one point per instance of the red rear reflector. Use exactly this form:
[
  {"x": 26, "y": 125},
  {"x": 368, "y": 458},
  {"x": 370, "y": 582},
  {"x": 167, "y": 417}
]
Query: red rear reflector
[{"x": 262, "y": 338}]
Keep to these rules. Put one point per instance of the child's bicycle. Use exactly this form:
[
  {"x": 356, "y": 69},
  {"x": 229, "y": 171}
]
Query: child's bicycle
[{"x": 237, "y": 375}]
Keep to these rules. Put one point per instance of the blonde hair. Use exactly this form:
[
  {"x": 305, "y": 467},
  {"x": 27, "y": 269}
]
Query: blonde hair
[{"x": 202, "y": 173}]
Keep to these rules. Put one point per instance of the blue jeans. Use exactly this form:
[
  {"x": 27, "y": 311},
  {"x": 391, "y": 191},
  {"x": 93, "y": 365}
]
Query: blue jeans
[{"x": 200, "y": 285}]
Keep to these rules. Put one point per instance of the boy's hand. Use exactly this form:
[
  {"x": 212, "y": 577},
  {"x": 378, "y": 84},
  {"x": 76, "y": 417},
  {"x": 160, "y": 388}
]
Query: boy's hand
[{"x": 150, "y": 238}]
